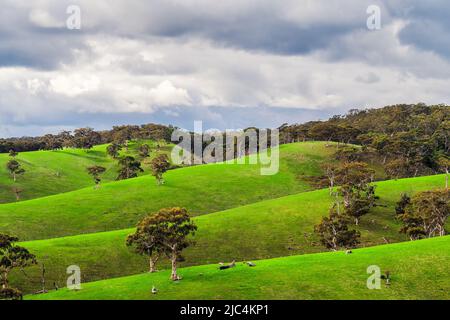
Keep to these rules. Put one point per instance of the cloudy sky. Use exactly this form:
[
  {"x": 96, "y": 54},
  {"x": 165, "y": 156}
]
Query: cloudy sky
[{"x": 231, "y": 63}]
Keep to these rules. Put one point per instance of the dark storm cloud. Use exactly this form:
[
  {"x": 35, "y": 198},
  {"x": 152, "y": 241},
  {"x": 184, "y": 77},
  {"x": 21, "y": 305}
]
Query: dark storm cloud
[
  {"x": 428, "y": 35},
  {"x": 268, "y": 26},
  {"x": 260, "y": 27},
  {"x": 38, "y": 51},
  {"x": 428, "y": 24},
  {"x": 279, "y": 38},
  {"x": 256, "y": 26},
  {"x": 26, "y": 44},
  {"x": 265, "y": 26}
]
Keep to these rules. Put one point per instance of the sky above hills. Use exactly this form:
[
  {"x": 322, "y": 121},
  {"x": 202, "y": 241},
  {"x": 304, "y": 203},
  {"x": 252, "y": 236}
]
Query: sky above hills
[{"x": 229, "y": 63}]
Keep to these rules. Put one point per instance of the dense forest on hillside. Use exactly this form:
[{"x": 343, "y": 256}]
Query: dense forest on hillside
[
  {"x": 411, "y": 139},
  {"x": 86, "y": 138}
]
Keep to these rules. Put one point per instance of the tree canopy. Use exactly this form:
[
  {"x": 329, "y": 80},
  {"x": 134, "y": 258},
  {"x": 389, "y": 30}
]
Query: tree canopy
[
  {"x": 129, "y": 168},
  {"x": 95, "y": 172},
  {"x": 426, "y": 214},
  {"x": 12, "y": 256},
  {"x": 164, "y": 232},
  {"x": 334, "y": 232},
  {"x": 160, "y": 164},
  {"x": 14, "y": 168}
]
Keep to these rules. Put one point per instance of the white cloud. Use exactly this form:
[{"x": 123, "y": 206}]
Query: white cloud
[
  {"x": 73, "y": 84},
  {"x": 42, "y": 18},
  {"x": 166, "y": 94},
  {"x": 35, "y": 86}
]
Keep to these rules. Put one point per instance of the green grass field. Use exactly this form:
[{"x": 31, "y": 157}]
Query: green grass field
[
  {"x": 53, "y": 172},
  {"x": 272, "y": 228},
  {"x": 419, "y": 270},
  {"x": 241, "y": 215},
  {"x": 201, "y": 189}
]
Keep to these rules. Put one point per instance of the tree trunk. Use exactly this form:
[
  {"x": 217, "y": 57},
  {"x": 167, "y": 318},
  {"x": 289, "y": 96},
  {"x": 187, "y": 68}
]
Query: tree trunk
[
  {"x": 446, "y": 179},
  {"x": 14, "y": 176},
  {"x": 5, "y": 280},
  {"x": 337, "y": 203},
  {"x": 173, "y": 259},
  {"x": 152, "y": 266},
  {"x": 356, "y": 221},
  {"x": 333, "y": 244},
  {"x": 346, "y": 202},
  {"x": 331, "y": 186}
]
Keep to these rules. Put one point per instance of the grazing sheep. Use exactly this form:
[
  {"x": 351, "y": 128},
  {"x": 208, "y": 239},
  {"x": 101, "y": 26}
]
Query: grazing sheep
[
  {"x": 154, "y": 290},
  {"x": 231, "y": 265},
  {"x": 387, "y": 277}
]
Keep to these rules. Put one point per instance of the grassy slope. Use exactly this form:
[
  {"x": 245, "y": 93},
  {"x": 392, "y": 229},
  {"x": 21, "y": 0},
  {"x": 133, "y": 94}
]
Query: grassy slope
[
  {"x": 262, "y": 230},
  {"x": 419, "y": 271},
  {"x": 53, "y": 172},
  {"x": 201, "y": 189}
]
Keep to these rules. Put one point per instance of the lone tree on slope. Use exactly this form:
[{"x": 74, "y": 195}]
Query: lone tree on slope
[
  {"x": 129, "y": 168},
  {"x": 13, "y": 153},
  {"x": 334, "y": 232},
  {"x": 358, "y": 195},
  {"x": 12, "y": 256},
  {"x": 167, "y": 232},
  {"x": 113, "y": 150},
  {"x": 147, "y": 241},
  {"x": 160, "y": 164},
  {"x": 360, "y": 201},
  {"x": 95, "y": 172},
  {"x": 14, "y": 169}
]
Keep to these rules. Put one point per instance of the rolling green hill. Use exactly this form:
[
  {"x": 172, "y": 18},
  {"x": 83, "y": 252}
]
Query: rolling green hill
[
  {"x": 265, "y": 216},
  {"x": 201, "y": 189},
  {"x": 419, "y": 270},
  {"x": 267, "y": 229},
  {"x": 53, "y": 172}
]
